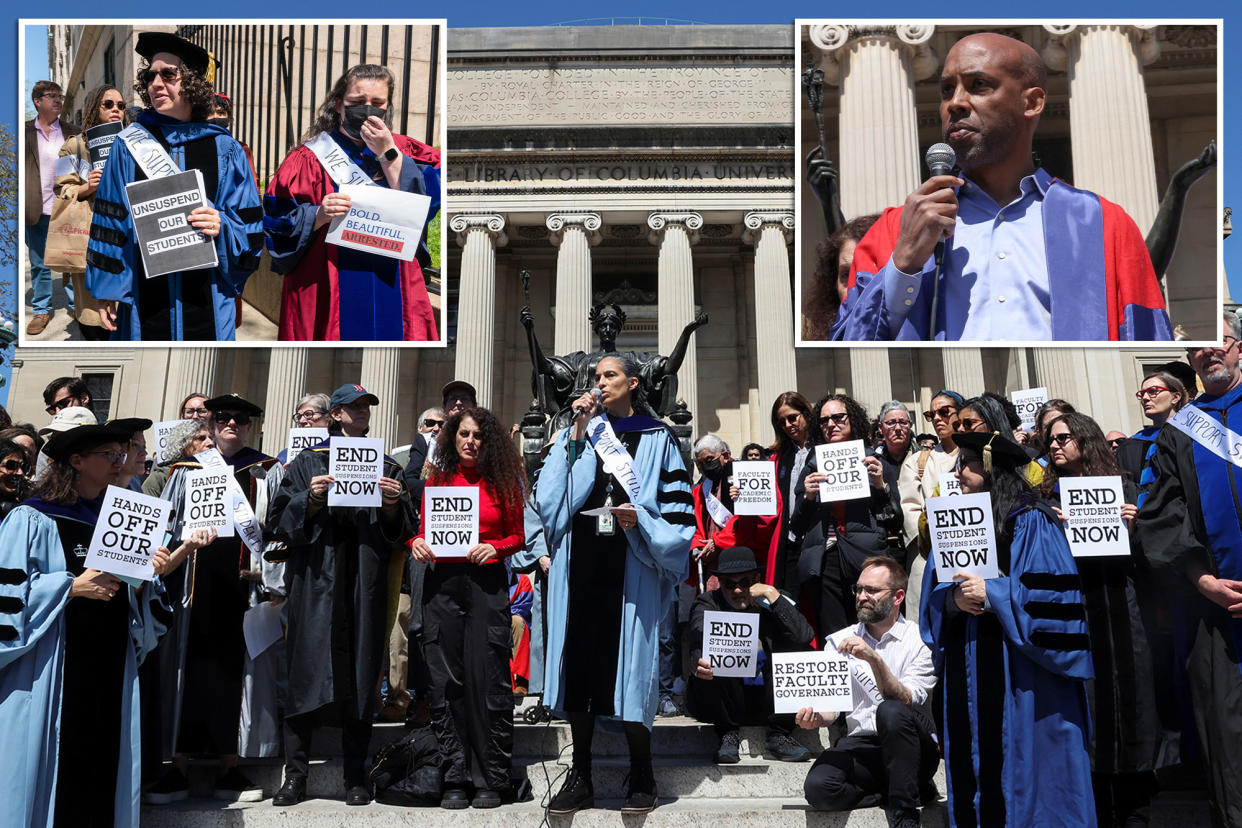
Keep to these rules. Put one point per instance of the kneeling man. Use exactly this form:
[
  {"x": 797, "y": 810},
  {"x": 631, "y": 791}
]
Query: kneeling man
[{"x": 888, "y": 754}]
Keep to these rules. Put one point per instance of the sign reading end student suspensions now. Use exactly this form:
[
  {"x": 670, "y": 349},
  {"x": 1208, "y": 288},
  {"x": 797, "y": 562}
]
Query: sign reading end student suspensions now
[
  {"x": 166, "y": 241},
  {"x": 962, "y": 535},
  {"x": 356, "y": 465},
  {"x": 381, "y": 221}
]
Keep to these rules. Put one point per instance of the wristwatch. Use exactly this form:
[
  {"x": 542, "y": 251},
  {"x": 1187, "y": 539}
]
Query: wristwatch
[{"x": 391, "y": 154}]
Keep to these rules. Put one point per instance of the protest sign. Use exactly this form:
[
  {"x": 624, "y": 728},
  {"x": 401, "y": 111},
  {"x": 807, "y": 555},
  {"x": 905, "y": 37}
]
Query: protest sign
[
  {"x": 244, "y": 519},
  {"x": 451, "y": 519},
  {"x": 756, "y": 487},
  {"x": 847, "y": 476},
  {"x": 381, "y": 221},
  {"x": 99, "y": 140},
  {"x": 1028, "y": 402},
  {"x": 167, "y": 242},
  {"x": 131, "y": 527},
  {"x": 301, "y": 439},
  {"x": 211, "y": 459},
  {"x": 731, "y": 643},
  {"x": 819, "y": 680},
  {"x": 356, "y": 465},
  {"x": 962, "y": 535},
  {"x": 949, "y": 485},
  {"x": 162, "y": 432},
  {"x": 1092, "y": 510},
  {"x": 208, "y": 501}
]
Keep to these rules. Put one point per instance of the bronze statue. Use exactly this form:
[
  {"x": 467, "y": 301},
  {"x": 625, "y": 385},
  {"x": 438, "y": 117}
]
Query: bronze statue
[
  {"x": 821, "y": 175},
  {"x": 1162, "y": 237}
]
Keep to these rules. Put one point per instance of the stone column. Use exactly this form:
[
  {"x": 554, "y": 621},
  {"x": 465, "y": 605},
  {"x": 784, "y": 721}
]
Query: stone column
[
  {"x": 479, "y": 235},
  {"x": 1063, "y": 371},
  {"x": 963, "y": 371},
  {"x": 190, "y": 370},
  {"x": 770, "y": 232},
  {"x": 876, "y": 68},
  {"x": 573, "y": 234},
  {"x": 286, "y": 373},
  {"x": 870, "y": 378},
  {"x": 381, "y": 374},
  {"x": 1110, "y": 127},
  {"x": 674, "y": 232}
]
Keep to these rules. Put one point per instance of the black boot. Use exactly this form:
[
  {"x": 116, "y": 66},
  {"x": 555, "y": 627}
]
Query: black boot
[
  {"x": 640, "y": 791},
  {"x": 576, "y": 793}
]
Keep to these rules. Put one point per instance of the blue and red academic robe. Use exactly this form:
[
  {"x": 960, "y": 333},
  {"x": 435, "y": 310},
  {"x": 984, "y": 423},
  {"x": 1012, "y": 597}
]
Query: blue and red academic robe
[
  {"x": 197, "y": 304},
  {"x": 758, "y": 533},
  {"x": 333, "y": 293},
  {"x": 521, "y": 602},
  {"x": 1101, "y": 282}
]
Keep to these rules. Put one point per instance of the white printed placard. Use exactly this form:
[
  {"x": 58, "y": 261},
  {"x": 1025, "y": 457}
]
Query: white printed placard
[
  {"x": 356, "y": 465},
  {"x": 1028, "y": 402},
  {"x": 756, "y": 487},
  {"x": 167, "y": 242},
  {"x": 962, "y": 535},
  {"x": 451, "y": 519},
  {"x": 1093, "y": 522},
  {"x": 162, "y": 432},
  {"x": 130, "y": 529},
  {"x": 818, "y": 680},
  {"x": 949, "y": 485},
  {"x": 208, "y": 501},
  {"x": 301, "y": 439},
  {"x": 731, "y": 643},
  {"x": 99, "y": 140},
  {"x": 211, "y": 459},
  {"x": 381, "y": 221},
  {"x": 847, "y": 475}
]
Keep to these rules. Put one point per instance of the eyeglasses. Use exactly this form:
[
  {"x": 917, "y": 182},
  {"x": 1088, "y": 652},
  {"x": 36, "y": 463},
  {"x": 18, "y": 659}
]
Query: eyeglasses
[
  {"x": 944, "y": 413},
  {"x": 53, "y": 96},
  {"x": 1062, "y": 438},
  {"x": 836, "y": 419},
  {"x": 116, "y": 458},
  {"x": 433, "y": 423},
  {"x": 225, "y": 417},
  {"x": 745, "y": 582},
  {"x": 111, "y": 105},
  {"x": 192, "y": 413},
  {"x": 1150, "y": 391},
  {"x": 897, "y": 423},
  {"x": 869, "y": 590},
  {"x": 59, "y": 405},
  {"x": 169, "y": 74},
  {"x": 308, "y": 414},
  {"x": 968, "y": 424},
  {"x": 15, "y": 466}
]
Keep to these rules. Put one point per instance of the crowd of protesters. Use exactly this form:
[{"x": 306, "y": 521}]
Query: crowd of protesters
[{"x": 1067, "y": 683}]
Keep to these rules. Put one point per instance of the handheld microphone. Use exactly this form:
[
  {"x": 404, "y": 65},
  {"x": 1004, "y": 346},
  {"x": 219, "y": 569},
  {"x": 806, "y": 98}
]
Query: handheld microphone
[
  {"x": 581, "y": 409},
  {"x": 940, "y": 159}
]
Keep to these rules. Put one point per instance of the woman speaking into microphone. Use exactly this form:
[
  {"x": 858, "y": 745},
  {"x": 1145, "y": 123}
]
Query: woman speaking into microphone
[
  {"x": 614, "y": 499},
  {"x": 466, "y": 627}
]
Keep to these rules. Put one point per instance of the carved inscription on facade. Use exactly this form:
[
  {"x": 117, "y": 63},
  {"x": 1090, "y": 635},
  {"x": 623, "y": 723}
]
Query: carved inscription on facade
[
  {"x": 603, "y": 173},
  {"x": 622, "y": 94}
]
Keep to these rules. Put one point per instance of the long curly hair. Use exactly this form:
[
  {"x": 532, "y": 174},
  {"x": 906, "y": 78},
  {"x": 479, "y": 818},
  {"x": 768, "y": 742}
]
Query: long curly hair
[
  {"x": 329, "y": 119},
  {"x": 859, "y": 423},
  {"x": 499, "y": 462},
  {"x": 194, "y": 86},
  {"x": 797, "y": 402},
  {"x": 1098, "y": 459},
  {"x": 823, "y": 302},
  {"x": 90, "y": 109}
]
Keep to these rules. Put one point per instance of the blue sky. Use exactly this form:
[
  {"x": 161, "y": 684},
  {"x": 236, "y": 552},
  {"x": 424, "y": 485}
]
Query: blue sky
[{"x": 508, "y": 13}]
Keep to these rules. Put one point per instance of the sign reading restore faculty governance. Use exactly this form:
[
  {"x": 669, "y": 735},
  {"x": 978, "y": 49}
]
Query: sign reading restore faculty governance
[
  {"x": 167, "y": 242},
  {"x": 381, "y": 221},
  {"x": 819, "y": 680}
]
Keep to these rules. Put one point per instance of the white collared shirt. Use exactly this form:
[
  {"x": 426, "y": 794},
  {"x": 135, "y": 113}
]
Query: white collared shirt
[{"x": 907, "y": 657}]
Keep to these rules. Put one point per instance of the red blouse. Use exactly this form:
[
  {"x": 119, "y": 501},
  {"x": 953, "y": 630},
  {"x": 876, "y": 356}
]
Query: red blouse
[{"x": 506, "y": 532}]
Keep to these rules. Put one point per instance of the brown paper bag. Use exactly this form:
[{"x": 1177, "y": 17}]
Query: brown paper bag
[{"x": 67, "y": 235}]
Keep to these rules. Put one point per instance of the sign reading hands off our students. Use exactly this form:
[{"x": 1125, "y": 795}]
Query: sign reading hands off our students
[
  {"x": 1091, "y": 507},
  {"x": 962, "y": 535},
  {"x": 130, "y": 529},
  {"x": 731, "y": 643},
  {"x": 819, "y": 680},
  {"x": 847, "y": 475},
  {"x": 451, "y": 519},
  {"x": 208, "y": 501},
  {"x": 756, "y": 485},
  {"x": 356, "y": 465}
]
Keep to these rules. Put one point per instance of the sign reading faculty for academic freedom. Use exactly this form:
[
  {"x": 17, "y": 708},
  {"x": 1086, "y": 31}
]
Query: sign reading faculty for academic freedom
[
  {"x": 356, "y": 465},
  {"x": 1092, "y": 510},
  {"x": 167, "y": 242},
  {"x": 963, "y": 538},
  {"x": 756, "y": 487},
  {"x": 381, "y": 221},
  {"x": 451, "y": 519},
  {"x": 130, "y": 529}
]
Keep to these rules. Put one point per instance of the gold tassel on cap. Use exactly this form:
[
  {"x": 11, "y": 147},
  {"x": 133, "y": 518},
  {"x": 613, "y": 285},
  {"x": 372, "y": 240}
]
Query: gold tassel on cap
[{"x": 987, "y": 453}]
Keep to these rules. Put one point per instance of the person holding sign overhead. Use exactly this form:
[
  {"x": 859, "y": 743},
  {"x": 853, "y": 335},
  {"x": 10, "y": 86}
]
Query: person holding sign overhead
[
  {"x": 172, "y": 135},
  {"x": 334, "y": 292},
  {"x": 1014, "y": 656},
  {"x": 466, "y": 627},
  {"x": 838, "y": 535},
  {"x": 614, "y": 499},
  {"x": 344, "y": 564},
  {"x": 1123, "y": 696},
  {"x": 71, "y": 639}
]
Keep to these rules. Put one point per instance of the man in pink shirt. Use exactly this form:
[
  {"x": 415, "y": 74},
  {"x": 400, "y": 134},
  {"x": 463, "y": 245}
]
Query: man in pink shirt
[{"x": 44, "y": 136}]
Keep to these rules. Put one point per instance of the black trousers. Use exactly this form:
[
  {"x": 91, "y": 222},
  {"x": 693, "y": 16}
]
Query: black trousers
[
  {"x": 466, "y": 641},
  {"x": 864, "y": 770},
  {"x": 729, "y": 703},
  {"x": 355, "y": 742},
  {"x": 1216, "y": 689}
]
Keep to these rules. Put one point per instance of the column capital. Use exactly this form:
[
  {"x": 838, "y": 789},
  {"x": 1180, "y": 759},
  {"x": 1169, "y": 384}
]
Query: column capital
[
  {"x": 782, "y": 220},
  {"x": 913, "y": 40},
  {"x": 589, "y": 222},
  {"x": 491, "y": 223},
  {"x": 1056, "y": 58},
  {"x": 658, "y": 222}
]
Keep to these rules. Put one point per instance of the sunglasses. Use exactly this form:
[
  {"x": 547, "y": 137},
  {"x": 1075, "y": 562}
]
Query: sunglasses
[
  {"x": 1116, "y": 442},
  {"x": 433, "y": 423},
  {"x": 1061, "y": 439},
  {"x": 897, "y": 423},
  {"x": 111, "y": 105},
  {"x": 968, "y": 424},
  {"x": 15, "y": 466},
  {"x": 59, "y": 405},
  {"x": 224, "y": 417},
  {"x": 791, "y": 418},
  {"x": 835, "y": 419},
  {"x": 739, "y": 583},
  {"x": 944, "y": 413},
  {"x": 169, "y": 74},
  {"x": 1150, "y": 391}
]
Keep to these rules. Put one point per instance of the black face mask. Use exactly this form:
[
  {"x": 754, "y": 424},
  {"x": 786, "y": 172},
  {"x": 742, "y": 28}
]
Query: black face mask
[
  {"x": 712, "y": 469},
  {"x": 227, "y": 123},
  {"x": 356, "y": 116}
]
